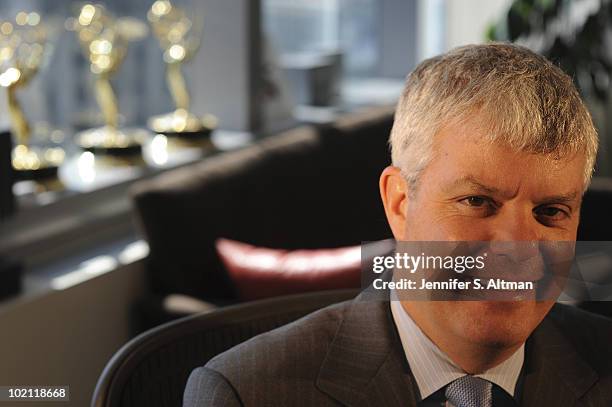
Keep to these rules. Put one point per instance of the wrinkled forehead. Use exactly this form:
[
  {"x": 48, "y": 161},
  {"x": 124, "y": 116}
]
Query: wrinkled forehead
[
  {"x": 468, "y": 151},
  {"x": 483, "y": 127}
]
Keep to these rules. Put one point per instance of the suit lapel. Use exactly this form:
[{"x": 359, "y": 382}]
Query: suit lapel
[
  {"x": 365, "y": 364},
  {"x": 554, "y": 373}
]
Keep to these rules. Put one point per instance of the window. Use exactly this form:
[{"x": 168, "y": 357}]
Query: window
[
  {"x": 362, "y": 48},
  {"x": 59, "y": 102}
]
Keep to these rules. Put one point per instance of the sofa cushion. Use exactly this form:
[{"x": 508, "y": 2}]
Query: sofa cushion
[{"x": 259, "y": 272}]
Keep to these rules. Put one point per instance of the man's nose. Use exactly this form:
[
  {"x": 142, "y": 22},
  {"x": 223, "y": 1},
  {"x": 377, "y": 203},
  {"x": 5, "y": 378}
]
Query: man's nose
[{"x": 515, "y": 233}]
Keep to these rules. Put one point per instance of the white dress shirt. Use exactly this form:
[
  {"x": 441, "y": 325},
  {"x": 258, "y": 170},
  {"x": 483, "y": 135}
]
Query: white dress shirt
[{"x": 433, "y": 369}]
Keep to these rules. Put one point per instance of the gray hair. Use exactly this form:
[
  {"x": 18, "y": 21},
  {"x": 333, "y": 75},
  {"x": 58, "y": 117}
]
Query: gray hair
[{"x": 519, "y": 97}]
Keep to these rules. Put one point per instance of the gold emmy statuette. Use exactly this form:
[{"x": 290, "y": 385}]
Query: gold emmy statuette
[
  {"x": 179, "y": 37},
  {"x": 22, "y": 45},
  {"x": 104, "y": 42}
]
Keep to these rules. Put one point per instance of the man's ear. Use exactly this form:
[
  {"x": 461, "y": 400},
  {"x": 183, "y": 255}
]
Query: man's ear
[{"x": 394, "y": 194}]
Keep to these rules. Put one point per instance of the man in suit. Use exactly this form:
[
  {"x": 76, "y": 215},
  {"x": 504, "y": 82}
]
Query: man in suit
[{"x": 490, "y": 143}]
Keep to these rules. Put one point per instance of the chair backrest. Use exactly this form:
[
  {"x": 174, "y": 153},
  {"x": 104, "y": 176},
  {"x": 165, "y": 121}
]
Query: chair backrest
[
  {"x": 596, "y": 225},
  {"x": 152, "y": 369},
  {"x": 595, "y": 219}
]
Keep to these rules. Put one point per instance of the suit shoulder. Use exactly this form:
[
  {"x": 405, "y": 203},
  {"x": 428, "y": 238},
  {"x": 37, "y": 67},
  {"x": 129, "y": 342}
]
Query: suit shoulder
[
  {"x": 591, "y": 334},
  {"x": 205, "y": 387},
  {"x": 567, "y": 316},
  {"x": 303, "y": 342}
]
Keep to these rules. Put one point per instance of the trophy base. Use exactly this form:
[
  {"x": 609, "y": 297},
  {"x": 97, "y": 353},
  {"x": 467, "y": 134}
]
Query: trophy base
[
  {"x": 182, "y": 124},
  {"x": 35, "y": 164},
  {"x": 127, "y": 151},
  {"x": 104, "y": 141},
  {"x": 40, "y": 174},
  {"x": 188, "y": 135}
]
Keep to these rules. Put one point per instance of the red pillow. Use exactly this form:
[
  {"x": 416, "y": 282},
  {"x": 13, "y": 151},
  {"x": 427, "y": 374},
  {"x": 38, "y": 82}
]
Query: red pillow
[{"x": 259, "y": 272}]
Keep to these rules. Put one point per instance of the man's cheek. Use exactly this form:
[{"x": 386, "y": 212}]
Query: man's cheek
[{"x": 453, "y": 228}]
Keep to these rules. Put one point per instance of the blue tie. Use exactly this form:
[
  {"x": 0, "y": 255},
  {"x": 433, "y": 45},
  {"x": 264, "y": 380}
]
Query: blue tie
[{"x": 469, "y": 391}]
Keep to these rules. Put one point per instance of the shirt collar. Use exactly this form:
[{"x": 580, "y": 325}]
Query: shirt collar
[{"x": 433, "y": 369}]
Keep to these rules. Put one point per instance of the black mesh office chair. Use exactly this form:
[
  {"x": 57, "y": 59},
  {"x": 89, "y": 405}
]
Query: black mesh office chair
[{"x": 152, "y": 369}]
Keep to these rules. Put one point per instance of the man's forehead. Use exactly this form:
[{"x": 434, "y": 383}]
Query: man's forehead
[
  {"x": 463, "y": 159},
  {"x": 477, "y": 146},
  {"x": 480, "y": 130}
]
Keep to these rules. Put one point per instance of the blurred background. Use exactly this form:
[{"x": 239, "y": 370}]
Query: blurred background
[{"x": 134, "y": 134}]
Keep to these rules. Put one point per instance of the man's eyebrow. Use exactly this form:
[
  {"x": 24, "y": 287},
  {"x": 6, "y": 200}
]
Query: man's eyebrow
[
  {"x": 473, "y": 183},
  {"x": 476, "y": 185},
  {"x": 562, "y": 198}
]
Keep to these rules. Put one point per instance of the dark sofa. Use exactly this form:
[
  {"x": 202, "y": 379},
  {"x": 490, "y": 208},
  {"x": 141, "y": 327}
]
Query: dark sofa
[{"x": 309, "y": 187}]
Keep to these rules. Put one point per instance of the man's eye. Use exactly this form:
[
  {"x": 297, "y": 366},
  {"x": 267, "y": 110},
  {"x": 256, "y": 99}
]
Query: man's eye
[
  {"x": 479, "y": 205},
  {"x": 551, "y": 213},
  {"x": 475, "y": 201}
]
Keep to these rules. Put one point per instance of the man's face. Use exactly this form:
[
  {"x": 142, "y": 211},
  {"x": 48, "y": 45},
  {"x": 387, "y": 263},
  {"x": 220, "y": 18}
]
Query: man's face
[{"x": 476, "y": 190}]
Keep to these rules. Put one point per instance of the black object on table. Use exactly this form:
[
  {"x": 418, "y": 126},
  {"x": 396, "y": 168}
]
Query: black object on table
[
  {"x": 7, "y": 176},
  {"x": 10, "y": 277}
]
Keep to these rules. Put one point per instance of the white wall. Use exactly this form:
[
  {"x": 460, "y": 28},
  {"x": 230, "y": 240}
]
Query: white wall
[
  {"x": 66, "y": 337},
  {"x": 445, "y": 24},
  {"x": 467, "y": 20}
]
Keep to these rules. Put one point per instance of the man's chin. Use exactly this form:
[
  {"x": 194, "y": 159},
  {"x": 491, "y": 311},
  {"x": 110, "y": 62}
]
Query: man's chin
[{"x": 496, "y": 323}]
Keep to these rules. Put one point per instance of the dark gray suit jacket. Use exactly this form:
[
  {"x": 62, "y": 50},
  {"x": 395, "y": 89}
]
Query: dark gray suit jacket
[{"x": 350, "y": 354}]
